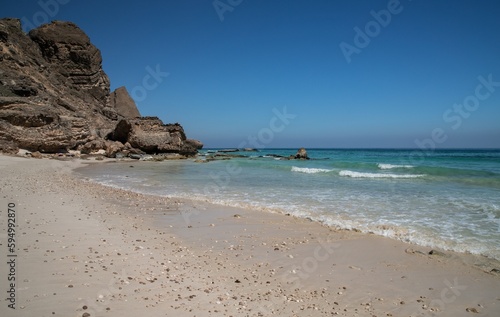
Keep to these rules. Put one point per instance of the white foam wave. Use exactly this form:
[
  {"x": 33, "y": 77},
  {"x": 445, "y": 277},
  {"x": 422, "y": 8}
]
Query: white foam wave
[
  {"x": 377, "y": 175},
  {"x": 309, "y": 170},
  {"x": 391, "y": 166}
]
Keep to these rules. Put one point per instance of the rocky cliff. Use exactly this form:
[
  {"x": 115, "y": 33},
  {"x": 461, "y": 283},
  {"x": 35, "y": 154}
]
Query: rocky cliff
[{"x": 55, "y": 97}]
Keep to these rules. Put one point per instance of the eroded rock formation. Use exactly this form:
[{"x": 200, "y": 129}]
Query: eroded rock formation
[
  {"x": 152, "y": 136},
  {"x": 55, "y": 96}
]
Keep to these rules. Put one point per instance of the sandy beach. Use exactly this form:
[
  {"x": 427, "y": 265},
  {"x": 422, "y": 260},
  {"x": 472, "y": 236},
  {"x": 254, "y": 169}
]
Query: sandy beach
[{"x": 82, "y": 249}]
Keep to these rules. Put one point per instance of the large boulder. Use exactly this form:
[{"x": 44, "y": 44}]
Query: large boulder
[
  {"x": 150, "y": 135},
  {"x": 121, "y": 101}
]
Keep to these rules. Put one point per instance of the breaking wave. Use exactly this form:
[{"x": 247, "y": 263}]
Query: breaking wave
[
  {"x": 391, "y": 166},
  {"x": 308, "y": 170},
  {"x": 377, "y": 175}
]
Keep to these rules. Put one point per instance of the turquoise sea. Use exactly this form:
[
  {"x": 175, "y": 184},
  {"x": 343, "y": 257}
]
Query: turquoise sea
[{"x": 448, "y": 199}]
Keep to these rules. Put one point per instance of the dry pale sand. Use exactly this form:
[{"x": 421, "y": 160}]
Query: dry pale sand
[{"x": 88, "y": 250}]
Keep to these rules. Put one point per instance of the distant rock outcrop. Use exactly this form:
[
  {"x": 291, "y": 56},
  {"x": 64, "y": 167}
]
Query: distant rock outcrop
[
  {"x": 301, "y": 154},
  {"x": 55, "y": 96}
]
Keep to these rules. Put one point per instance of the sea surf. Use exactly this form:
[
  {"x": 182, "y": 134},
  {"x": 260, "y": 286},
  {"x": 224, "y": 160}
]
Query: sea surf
[{"x": 448, "y": 199}]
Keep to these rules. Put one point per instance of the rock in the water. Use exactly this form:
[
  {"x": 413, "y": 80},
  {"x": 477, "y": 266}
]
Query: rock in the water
[{"x": 301, "y": 154}]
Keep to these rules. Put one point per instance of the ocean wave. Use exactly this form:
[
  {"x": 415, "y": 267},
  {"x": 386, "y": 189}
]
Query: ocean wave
[
  {"x": 391, "y": 166},
  {"x": 377, "y": 175},
  {"x": 309, "y": 170}
]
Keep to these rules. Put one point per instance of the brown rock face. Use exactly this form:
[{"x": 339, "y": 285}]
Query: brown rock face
[
  {"x": 73, "y": 57},
  {"x": 54, "y": 95},
  {"x": 52, "y": 88},
  {"x": 150, "y": 135},
  {"x": 121, "y": 101}
]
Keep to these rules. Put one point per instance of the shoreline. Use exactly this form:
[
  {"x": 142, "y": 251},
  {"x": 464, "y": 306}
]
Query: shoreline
[
  {"x": 127, "y": 253},
  {"x": 221, "y": 180}
]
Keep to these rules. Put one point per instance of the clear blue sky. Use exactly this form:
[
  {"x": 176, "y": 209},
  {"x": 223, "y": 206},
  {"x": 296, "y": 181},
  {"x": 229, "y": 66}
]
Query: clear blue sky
[{"x": 225, "y": 76}]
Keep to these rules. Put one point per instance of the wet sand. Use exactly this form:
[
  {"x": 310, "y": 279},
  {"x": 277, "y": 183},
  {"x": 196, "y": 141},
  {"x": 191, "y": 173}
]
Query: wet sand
[{"x": 88, "y": 250}]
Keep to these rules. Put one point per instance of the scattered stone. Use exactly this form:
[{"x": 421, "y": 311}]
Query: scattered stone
[
  {"x": 147, "y": 158},
  {"x": 472, "y": 310},
  {"x": 99, "y": 152},
  {"x": 439, "y": 253},
  {"x": 36, "y": 155},
  {"x": 22, "y": 152},
  {"x": 74, "y": 153}
]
